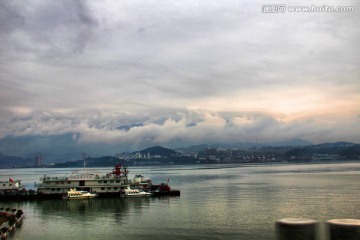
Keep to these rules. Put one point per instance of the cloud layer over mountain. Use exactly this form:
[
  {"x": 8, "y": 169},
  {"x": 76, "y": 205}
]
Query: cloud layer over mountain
[{"x": 143, "y": 73}]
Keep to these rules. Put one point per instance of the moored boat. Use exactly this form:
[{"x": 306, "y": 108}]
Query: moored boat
[
  {"x": 104, "y": 185},
  {"x": 164, "y": 189},
  {"x": 9, "y": 220},
  {"x": 75, "y": 194},
  {"x": 14, "y": 190},
  {"x": 131, "y": 192},
  {"x": 111, "y": 184}
]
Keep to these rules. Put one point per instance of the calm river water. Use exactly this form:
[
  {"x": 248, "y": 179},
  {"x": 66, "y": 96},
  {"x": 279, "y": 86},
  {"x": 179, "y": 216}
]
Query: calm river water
[{"x": 216, "y": 202}]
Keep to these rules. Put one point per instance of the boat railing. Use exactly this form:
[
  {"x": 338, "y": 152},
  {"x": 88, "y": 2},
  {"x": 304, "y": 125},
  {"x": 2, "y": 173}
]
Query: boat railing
[{"x": 53, "y": 178}]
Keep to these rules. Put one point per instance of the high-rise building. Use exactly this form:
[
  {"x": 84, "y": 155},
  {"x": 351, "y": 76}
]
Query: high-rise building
[{"x": 38, "y": 160}]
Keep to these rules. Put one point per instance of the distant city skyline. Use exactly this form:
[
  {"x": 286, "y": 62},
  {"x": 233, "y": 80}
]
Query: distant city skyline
[{"x": 136, "y": 74}]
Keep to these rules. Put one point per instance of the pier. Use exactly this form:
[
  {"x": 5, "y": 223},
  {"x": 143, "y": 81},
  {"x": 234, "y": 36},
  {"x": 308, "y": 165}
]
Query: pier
[{"x": 10, "y": 219}]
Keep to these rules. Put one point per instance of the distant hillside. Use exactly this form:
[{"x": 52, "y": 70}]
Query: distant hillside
[
  {"x": 351, "y": 152},
  {"x": 159, "y": 155},
  {"x": 294, "y": 142},
  {"x": 54, "y": 148},
  {"x": 11, "y": 161},
  {"x": 106, "y": 161},
  {"x": 165, "y": 156},
  {"x": 344, "y": 150},
  {"x": 246, "y": 145},
  {"x": 158, "y": 150}
]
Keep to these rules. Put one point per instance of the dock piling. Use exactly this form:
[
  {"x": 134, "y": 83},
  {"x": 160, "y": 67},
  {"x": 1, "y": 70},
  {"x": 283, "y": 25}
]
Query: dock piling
[
  {"x": 343, "y": 229},
  {"x": 296, "y": 229}
]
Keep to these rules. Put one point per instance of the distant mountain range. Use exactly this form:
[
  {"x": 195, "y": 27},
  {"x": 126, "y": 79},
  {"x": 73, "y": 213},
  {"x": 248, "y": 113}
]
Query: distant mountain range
[
  {"x": 338, "y": 151},
  {"x": 161, "y": 152},
  {"x": 55, "y": 148},
  {"x": 68, "y": 147},
  {"x": 9, "y": 161},
  {"x": 247, "y": 145}
]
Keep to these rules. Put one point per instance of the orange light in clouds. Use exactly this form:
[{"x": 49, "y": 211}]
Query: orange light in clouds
[
  {"x": 20, "y": 110},
  {"x": 285, "y": 104}
]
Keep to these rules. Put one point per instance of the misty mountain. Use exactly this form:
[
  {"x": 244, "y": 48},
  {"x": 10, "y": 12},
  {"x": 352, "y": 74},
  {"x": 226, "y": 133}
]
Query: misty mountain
[
  {"x": 344, "y": 150},
  {"x": 246, "y": 145},
  {"x": 106, "y": 161},
  {"x": 69, "y": 147},
  {"x": 11, "y": 161},
  {"x": 158, "y": 150},
  {"x": 292, "y": 143},
  {"x": 54, "y": 148}
]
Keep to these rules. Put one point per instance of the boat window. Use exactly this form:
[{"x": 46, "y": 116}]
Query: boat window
[
  {"x": 68, "y": 182},
  {"x": 111, "y": 181},
  {"x": 109, "y": 188},
  {"x": 99, "y": 181},
  {"x": 115, "y": 188},
  {"x": 102, "y": 188},
  {"x": 105, "y": 181},
  {"x": 117, "y": 181},
  {"x": 53, "y": 189}
]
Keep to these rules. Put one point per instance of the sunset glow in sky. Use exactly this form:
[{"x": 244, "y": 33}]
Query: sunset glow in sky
[{"x": 144, "y": 73}]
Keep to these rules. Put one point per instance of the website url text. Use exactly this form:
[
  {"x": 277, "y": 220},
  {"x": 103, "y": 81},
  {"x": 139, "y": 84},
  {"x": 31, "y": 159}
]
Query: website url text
[{"x": 282, "y": 8}]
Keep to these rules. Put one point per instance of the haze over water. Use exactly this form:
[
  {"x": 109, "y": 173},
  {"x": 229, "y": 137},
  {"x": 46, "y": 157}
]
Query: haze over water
[{"x": 216, "y": 202}]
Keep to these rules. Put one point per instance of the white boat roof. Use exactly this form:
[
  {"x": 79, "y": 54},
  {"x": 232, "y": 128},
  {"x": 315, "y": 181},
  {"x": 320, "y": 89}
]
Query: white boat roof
[{"x": 84, "y": 174}]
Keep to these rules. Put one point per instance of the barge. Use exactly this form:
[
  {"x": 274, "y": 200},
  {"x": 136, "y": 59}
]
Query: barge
[
  {"x": 14, "y": 190},
  {"x": 107, "y": 185}
]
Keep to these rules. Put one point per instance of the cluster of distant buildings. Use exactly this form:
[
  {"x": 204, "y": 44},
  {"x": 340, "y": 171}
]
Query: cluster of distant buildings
[
  {"x": 137, "y": 155},
  {"x": 232, "y": 155},
  {"x": 325, "y": 157},
  {"x": 207, "y": 155},
  {"x": 223, "y": 155}
]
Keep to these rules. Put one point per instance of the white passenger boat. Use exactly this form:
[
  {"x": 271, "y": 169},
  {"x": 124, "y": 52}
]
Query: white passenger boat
[
  {"x": 74, "y": 194},
  {"x": 130, "y": 192}
]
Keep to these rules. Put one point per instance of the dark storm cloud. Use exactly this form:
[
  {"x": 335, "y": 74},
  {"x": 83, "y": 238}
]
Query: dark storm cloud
[{"x": 49, "y": 29}]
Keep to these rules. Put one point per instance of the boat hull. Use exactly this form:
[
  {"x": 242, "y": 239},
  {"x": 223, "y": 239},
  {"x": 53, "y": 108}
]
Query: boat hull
[
  {"x": 32, "y": 197},
  {"x": 18, "y": 197},
  {"x": 172, "y": 192}
]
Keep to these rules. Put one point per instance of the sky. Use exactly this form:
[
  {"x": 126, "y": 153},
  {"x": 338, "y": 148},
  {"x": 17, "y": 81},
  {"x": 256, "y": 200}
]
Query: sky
[{"x": 143, "y": 73}]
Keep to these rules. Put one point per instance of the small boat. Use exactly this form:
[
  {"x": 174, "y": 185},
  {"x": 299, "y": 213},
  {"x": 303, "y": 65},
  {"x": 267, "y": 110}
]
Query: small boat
[
  {"x": 130, "y": 192},
  {"x": 164, "y": 189},
  {"x": 75, "y": 194}
]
